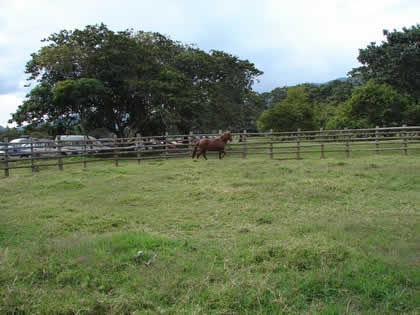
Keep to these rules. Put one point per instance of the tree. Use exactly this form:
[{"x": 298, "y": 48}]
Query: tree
[
  {"x": 371, "y": 105},
  {"x": 130, "y": 82},
  {"x": 78, "y": 96},
  {"x": 295, "y": 111},
  {"x": 412, "y": 115},
  {"x": 217, "y": 93},
  {"x": 86, "y": 75},
  {"x": 395, "y": 62},
  {"x": 335, "y": 92},
  {"x": 10, "y": 133},
  {"x": 272, "y": 98},
  {"x": 229, "y": 91}
]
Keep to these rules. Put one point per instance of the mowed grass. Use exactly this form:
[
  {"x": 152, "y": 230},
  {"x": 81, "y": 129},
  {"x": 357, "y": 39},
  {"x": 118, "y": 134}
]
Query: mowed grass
[{"x": 234, "y": 236}]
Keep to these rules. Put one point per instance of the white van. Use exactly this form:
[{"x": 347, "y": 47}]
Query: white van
[{"x": 77, "y": 144}]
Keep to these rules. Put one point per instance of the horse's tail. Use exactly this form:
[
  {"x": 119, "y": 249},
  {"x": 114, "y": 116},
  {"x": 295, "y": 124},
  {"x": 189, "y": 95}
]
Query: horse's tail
[{"x": 195, "y": 149}]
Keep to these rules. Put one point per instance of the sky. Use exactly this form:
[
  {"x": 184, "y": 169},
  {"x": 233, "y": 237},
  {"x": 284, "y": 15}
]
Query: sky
[{"x": 291, "y": 41}]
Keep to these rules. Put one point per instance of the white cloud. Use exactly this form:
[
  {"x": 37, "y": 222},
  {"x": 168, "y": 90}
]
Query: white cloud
[{"x": 8, "y": 105}]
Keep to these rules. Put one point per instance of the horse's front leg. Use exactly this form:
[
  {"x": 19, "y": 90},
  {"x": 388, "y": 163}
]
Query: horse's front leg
[
  {"x": 204, "y": 154},
  {"x": 220, "y": 154}
]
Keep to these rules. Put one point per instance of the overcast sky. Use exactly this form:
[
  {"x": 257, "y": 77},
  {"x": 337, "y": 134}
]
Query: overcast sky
[{"x": 291, "y": 41}]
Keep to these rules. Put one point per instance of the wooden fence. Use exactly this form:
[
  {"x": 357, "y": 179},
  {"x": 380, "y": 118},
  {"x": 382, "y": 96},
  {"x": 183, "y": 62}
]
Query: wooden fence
[{"x": 35, "y": 154}]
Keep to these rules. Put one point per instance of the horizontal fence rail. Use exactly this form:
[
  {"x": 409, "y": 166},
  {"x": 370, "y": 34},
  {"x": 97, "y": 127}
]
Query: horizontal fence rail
[{"x": 48, "y": 153}]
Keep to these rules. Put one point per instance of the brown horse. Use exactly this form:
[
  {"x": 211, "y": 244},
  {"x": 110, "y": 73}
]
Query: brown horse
[{"x": 217, "y": 144}]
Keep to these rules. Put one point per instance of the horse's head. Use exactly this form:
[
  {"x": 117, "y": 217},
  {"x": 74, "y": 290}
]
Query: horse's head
[{"x": 227, "y": 136}]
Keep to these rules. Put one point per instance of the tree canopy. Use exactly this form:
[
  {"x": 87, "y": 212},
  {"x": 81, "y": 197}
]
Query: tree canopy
[
  {"x": 293, "y": 112},
  {"x": 371, "y": 105},
  {"x": 396, "y": 61},
  {"x": 129, "y": 82}
]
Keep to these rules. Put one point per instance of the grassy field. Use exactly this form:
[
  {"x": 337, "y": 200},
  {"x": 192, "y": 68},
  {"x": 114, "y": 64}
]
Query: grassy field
[{"x": 224, "y": 237}]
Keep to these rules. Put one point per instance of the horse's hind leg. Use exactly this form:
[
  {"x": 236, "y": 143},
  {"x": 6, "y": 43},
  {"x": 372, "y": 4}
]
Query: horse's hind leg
[{"x": 204, "y": 154}]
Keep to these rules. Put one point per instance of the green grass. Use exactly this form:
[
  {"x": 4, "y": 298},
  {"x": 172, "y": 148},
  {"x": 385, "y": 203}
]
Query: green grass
[{"x": 233, "y": 236}]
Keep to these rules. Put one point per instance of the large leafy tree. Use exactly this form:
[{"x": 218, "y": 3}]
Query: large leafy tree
[
  {"x": 228, "y": 94},
  {"x": 219, "y": 91},
  {"x": 396, "y": 61},
  {"x": 130, "y": 82},
  {"x": 93, "y": 75},
  {"x": 370, "y": 105},
  {"x": 293, "y": 112}
]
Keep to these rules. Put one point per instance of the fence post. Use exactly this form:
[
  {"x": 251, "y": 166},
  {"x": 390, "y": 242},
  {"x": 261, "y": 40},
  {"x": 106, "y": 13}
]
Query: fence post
[
  {"x": 346, "y": 135},
  {"x": 405, "y": 139},
  {"x": 60, "y": 156},
  {"x": 271, "y": 143},
  {"x": 166, "y": 145},
  {"x": 190, "y": 143},
  {"x": 322, "y": 143},
  {"x": 138, "y": 147},
  {"x": 6, "y": 157},
  {"x": 32, "y": 155},
  {"x": 115, "y": 150},
  {"x": 377, "y": 140},
  {"x": 298, "y": 144},
  {"x": 244, "y": 140},
  {"x": 84, "y": 151}
]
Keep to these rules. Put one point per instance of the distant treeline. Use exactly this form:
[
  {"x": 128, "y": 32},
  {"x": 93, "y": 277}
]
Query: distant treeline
[
  {"x": 99, "y": 82},
  {"x": 384, "y": 91}
]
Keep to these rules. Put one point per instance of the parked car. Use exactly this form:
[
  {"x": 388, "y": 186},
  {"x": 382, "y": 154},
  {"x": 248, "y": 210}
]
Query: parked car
[
  {"x": 17, "y": 148},
  {"x": 77, "y": 144},
  {"x": 41, "y": 147}
]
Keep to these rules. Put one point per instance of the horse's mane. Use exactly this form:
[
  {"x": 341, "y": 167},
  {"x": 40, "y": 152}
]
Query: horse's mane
[{"x": 226, "y": 135}]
